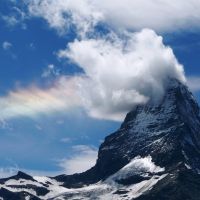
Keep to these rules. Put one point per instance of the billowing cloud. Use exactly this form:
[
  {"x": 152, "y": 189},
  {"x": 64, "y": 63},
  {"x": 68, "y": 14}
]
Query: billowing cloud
[
  {"x": 120, "y": 74},
  {"x": 160, "y": 15},
  {"x": 34, "y": 101},
  {"x": 83, "y": 158}
]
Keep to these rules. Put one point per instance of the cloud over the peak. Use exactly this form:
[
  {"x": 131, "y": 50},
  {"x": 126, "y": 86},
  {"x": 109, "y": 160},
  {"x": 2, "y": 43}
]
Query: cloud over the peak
[
  {"x": 160, "y": 15},
  {"x": 120, "y": 74}
]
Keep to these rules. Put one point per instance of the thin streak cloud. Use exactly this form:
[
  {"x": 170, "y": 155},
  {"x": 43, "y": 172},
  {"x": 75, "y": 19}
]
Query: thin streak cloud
[{"x": 33, "y": 101}]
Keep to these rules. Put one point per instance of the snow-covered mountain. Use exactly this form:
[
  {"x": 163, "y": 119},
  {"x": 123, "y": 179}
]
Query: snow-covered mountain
[{"x": 154, "y": 155}]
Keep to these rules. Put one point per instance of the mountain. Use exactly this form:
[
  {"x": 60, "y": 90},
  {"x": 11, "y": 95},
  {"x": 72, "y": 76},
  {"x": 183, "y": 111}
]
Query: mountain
[{"x": 154, "y": 155}]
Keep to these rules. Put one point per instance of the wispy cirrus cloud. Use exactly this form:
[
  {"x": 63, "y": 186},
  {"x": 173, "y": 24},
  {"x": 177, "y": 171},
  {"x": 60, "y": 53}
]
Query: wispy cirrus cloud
[
  {"x": 50, "y": 70},
  {"x": 16, "y": 16},
  {"x": 62, "y": 15},
  {"x": 162, "y": 15}
]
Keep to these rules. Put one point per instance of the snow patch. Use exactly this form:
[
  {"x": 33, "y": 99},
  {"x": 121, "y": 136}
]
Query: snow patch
[
  {"x": 46, "y": 180},
  {"x": 144, "y": 164},
  {"x": 138, "y": 166}
]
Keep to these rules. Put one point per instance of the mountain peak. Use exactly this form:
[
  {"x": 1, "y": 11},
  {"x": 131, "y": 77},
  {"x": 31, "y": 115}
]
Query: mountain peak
[
  {"x": 23, "y": 175},
  {"x": 169, "y": 131},
  {"x": 177, "y": 99}
]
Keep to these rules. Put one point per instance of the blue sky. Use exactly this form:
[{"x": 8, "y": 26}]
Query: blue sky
[{"x": 38, "y": 65}]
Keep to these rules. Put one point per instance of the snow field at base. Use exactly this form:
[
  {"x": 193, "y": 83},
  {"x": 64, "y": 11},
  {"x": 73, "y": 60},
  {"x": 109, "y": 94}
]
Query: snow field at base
[{"x": 103, "y": 190}]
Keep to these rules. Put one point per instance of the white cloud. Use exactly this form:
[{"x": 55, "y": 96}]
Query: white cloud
[
  {"x": 160, "y": 15},
  {"x": 16, "y": 17},
  {"x": 10, "y": 20},
  {"x": 6, "y": 45},
  {"x": 194, "y": 83},
  {"x": 120, "y": 74},
  {"x": 63, "y": 14},
  {"x": 83, "y": 158},
  {"x": 51, "y": 70},
  {"x": 34, "y": 101}
]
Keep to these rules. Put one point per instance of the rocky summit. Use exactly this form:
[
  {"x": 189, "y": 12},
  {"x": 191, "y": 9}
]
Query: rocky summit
[{"x": 155, "y": 155}]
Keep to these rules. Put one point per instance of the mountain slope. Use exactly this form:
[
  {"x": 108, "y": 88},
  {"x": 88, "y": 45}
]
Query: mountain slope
[
  {"x": 168, "y": 131},
  {"x": 155, "y": 155}
]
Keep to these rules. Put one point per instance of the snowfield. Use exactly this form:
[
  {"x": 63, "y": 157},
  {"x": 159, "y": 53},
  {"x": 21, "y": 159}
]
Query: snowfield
[{"x": 104, "y": 190}]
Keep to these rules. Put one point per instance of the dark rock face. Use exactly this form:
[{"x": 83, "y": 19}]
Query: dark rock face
[
  {"x": 168, "y": 131},
  {"x": 8, "y": 195},
  {"x": 183, "y": 184},
  {"x": 19, "y": 175}
]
